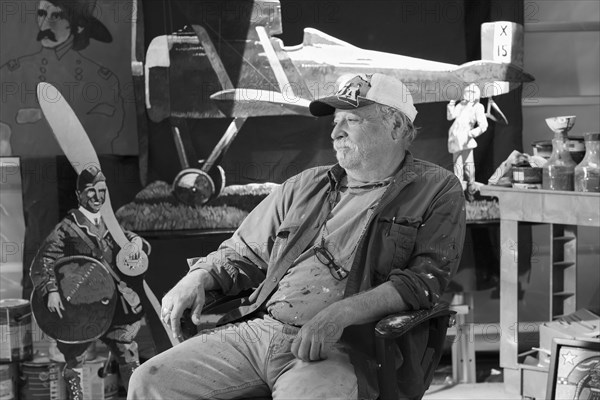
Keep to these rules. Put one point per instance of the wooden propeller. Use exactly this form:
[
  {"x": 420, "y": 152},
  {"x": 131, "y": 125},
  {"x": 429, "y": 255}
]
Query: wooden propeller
[{"x": 76, "y": 145}]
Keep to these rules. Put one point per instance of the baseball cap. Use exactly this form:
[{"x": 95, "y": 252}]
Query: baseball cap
[{"x": 361, "y": 90}]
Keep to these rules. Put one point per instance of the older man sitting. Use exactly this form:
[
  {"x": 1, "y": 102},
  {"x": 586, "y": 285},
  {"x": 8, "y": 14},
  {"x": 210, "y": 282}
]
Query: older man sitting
[{"x": 329, "y": 252}]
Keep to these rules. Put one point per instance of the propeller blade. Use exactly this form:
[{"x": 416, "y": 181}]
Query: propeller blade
[{"x": 76, "y": 145}]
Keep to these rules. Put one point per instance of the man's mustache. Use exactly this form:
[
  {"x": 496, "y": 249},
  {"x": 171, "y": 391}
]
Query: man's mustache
[
  {"x": 46, "y": 34},
  {"x": 338, "y": 143}
]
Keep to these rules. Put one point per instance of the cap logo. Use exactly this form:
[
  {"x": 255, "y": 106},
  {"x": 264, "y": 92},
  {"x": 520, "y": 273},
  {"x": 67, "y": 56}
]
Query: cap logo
[{"x": 356, "y": 87}]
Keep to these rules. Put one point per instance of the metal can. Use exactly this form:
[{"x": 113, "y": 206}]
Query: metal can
[
  {"x": 8, "y": 381},
  {"x": 15, "y": 330},
  {"x": 42, "y": 379},
  {"x": 99, "y": 379}
]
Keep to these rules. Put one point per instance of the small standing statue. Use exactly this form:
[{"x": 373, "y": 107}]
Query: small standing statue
[
  {"x": 79, "y": 293},
  {"x": 469, "y": 122}
]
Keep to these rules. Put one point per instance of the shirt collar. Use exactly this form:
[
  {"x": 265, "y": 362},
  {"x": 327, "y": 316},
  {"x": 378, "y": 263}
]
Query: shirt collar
[
  {"x": 63, "y": 48},
  {"x": 92, "y": 217},
  {"x": 337, "y": 173}
]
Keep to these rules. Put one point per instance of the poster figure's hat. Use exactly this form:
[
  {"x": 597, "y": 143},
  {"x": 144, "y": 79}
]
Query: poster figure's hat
[{"x": 81, "y": 13}]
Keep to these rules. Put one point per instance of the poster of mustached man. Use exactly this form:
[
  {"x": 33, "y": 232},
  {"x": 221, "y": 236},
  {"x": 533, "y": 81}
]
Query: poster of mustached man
[{"x": 83, "y": 48}]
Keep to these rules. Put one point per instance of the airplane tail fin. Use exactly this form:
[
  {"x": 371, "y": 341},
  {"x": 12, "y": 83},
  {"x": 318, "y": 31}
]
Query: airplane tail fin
[{"x": 501, "y": 41}]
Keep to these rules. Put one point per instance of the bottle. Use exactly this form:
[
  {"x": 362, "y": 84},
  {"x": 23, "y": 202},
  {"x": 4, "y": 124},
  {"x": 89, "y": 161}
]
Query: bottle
[
  {"x": 587, "y": 173},
  {"x": 559, "y": 170}
]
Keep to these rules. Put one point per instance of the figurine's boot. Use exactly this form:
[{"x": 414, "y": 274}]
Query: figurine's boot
[
  {"x": 72, "y": 377},
  {"x": 126, "y": 370}
]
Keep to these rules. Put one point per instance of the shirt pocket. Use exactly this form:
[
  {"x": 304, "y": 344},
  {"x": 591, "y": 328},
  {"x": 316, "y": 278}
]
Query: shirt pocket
[
  {"x": 394, "y": 243},
  {"x": 404, "y": 233}
]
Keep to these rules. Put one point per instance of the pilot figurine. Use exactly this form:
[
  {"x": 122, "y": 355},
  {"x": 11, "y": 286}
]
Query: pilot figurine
[
  {"x": 83, "y": 233},
  {"x": 469, "y": 122}
]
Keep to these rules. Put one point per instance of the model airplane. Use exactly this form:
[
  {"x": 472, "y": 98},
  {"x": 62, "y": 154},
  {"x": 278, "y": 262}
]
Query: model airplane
[{"x": 202, "y": 72}]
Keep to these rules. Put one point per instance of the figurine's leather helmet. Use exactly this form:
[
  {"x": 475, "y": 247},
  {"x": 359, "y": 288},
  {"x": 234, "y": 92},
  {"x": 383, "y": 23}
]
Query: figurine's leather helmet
[{"x": 89, "y": 177}]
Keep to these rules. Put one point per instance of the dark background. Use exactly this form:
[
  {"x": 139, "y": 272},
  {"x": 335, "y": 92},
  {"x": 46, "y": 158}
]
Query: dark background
[{"x": 274, "y": 148}]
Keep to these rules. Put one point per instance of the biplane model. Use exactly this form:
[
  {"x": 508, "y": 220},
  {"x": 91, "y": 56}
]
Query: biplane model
[{"x": 219, "y": 69}]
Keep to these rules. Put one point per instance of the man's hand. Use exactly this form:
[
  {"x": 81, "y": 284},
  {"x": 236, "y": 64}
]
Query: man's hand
[
  {"x": 319, "y": 334},
  {"x": 55, "y": 303},
  {"x": 325, "y": 329},
  {"x": 187, "y": 293}
]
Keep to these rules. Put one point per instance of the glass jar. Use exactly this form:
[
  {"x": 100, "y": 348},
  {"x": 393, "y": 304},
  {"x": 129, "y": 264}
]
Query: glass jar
[
  {"x": 559, "y": 170},
  {"x": 587, "y": 173}
]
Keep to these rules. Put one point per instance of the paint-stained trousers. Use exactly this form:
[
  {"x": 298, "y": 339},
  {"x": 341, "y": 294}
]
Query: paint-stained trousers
[{"x": 246, "y": 359}]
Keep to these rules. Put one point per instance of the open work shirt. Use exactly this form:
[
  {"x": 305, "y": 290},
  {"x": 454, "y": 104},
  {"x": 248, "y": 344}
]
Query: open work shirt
[
  {"x": 309, "y": 286},
  {"x": 413, "y": 239}
]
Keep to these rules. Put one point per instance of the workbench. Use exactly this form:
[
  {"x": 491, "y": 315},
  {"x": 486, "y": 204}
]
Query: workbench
[{"x": 564, "y": 212}]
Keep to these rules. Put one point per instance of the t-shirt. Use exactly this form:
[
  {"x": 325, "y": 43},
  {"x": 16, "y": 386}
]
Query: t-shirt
[{"x": 308, "y": 286}]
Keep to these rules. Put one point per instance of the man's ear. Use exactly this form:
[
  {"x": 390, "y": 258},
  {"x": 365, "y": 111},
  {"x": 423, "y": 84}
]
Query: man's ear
[{"x": 396, "y": 132}]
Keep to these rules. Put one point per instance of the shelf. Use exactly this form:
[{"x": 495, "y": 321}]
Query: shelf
[
  {"x": 562, "y": 26},
  {"x": 546, "y": 206},
  {"x": 563, "y": 264},
  {"x": 563, "y": 238},
  {"x": 563, "y": 294},
  {"x": 560, "y": 101}
]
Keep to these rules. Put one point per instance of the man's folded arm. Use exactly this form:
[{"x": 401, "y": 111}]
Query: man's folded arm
[{"x": 437, "y": 251}]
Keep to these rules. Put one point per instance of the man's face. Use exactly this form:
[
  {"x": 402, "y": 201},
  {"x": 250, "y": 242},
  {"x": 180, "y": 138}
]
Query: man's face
[
  {"x": 93, "y": 197},
  {"x": 361, "y": 139},
  {"x": 54, "y": 27}
]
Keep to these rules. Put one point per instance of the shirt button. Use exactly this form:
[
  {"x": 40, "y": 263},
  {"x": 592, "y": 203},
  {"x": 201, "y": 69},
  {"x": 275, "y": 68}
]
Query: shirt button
[{"x": 274, "y": 279}]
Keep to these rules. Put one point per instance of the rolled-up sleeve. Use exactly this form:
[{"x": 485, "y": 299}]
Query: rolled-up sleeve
[
  {"x": 241, "y": 261},
  {"x": 437, "y": 251}
]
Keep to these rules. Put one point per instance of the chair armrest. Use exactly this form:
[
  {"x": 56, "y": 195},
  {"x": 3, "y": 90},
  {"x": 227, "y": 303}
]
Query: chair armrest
[
  {"x": 396, "y": 325},
  {"x": 414, "y": 375}
]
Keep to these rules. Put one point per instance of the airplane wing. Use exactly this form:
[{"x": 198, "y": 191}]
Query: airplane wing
[
  {"x": 189, "y": 73},
  {"x": 253, "y": 102}
]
